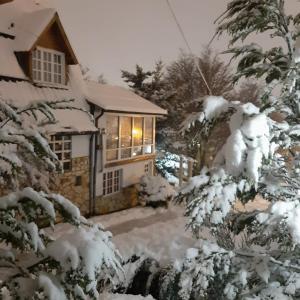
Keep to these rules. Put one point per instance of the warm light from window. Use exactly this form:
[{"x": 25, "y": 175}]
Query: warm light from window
[{"x": 137, "y": 133}]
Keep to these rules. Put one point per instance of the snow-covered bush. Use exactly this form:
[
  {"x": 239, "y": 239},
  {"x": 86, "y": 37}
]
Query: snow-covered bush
[
  {"x": 33, "y": 264},
  {"x": 260, "y": 157},
  {"x": 155, "y": 191}
]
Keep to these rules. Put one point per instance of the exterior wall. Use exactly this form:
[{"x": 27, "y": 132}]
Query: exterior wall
[
  {"x": 128, "y": 196},
  {"x": 132, "y": 170},
  {"x": 74, "y": 184}
]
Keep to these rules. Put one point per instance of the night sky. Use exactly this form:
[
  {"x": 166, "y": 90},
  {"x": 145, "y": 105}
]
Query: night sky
[{"x": 109, "y": 35}]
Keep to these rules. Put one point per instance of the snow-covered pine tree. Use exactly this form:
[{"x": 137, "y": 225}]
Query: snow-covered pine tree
[
  {"x": 256, "y": 254},
  {"x": 33, "y": 265}
]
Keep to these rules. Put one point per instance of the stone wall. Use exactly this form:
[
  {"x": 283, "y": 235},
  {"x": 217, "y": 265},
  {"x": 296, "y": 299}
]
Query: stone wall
[
  {"x": 74, "y": 184},
  {"x": 127, "y": 198}
]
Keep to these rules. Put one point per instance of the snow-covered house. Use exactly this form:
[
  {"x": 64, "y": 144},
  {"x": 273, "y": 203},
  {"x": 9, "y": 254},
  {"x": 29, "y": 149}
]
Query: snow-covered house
[{"x": 103, "y": 158}]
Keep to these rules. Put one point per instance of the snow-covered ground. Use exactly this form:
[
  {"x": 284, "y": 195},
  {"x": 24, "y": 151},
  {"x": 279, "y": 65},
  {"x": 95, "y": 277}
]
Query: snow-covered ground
[
  {"x": 123, "y": 297},
  {"x": 165, "y": 239},
  {"x": 158, "y": 233}
]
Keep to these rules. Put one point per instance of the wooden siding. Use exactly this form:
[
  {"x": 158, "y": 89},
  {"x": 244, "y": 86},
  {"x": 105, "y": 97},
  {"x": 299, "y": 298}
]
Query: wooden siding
[
  {"x": 24, "y": 60},
  {"x": 53, "y": 39},
  {"x": 5, "y": 1}
]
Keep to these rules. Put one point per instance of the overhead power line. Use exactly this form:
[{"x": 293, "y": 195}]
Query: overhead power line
[{"x": 187, "y": 44}]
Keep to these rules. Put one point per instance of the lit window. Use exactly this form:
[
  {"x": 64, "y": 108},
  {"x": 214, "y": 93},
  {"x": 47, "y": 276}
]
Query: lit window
[
  {"x": 112, "y": 138},
  {"x": 111, "y": 182},
  {"x": 129, "y": 137},
  {"x": 48, "y": 66},
  {"x": 137, "y": 133},
  {"x": 61, "y": 145},
  {"x": 126, "y": 136}
]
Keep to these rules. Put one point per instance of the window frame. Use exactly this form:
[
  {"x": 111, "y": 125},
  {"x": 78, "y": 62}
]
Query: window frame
[
  {"x": 116, "y": 182},
  {"x": 132, "y": 146},
  {"x": 42, "y": 70},
  {"x": 53, "y": 140}
]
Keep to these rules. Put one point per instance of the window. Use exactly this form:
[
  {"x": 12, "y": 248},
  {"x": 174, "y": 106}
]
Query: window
[
  {"x": 148, "y": 168},
  {"x": 111, "y": 182},
  {"x": 78, "y": 181},
  {"x": 149, "y": 138},
  {"x": 48, "y": 66},
  {"x": 61, "y": 146},
  {"x": 112, "y": 138},
  {"x": 126, "y": 136},
  {"x": 137, "y": 133},
  {"x": 129, "y": 137}
]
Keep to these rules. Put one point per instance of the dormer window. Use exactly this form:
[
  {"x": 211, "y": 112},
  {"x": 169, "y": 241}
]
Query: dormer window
[{"x": 48, "y": 66}]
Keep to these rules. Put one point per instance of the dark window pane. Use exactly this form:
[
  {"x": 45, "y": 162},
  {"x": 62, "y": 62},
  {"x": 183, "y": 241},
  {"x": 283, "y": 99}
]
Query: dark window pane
[{"x": 67, "y": 166}]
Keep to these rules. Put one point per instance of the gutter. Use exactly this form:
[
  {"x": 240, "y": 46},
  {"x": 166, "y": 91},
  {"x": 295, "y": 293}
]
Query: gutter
[
  {"x": 91, "y": 155},
  {"x": 95, "y": 164}
]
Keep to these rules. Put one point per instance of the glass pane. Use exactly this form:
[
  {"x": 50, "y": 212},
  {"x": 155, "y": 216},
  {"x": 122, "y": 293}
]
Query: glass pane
[
  {"x": 67, "y": 155},
  {"x": 137, "y": 132},
  {"x": 67, "y": 166},
  {"x": 126, "y": 131},
  {"x": 126, "y": 153},
  {"x": 111, "y": 155},
  {"x": 148, "y": 130},
  {"x": 137, "y": 151},
  {"x": 58, "y": 147},
  {"x": 148, "y": 149},
  {"x": 67, "y": 146},
  {"x": 112, "y": 137}
]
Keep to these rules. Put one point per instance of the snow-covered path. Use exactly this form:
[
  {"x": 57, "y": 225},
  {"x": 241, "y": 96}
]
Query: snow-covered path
[{"x": 127, "y": 226}]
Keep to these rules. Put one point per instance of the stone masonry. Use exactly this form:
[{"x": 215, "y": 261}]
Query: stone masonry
[
  {"x": 127, "y": 198},
  {"x": 74, "y": 184}
]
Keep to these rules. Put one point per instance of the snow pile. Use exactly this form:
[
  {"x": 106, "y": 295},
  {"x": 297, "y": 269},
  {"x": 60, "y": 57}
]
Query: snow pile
[
  {"x": 248, "y": 143},
  {"x": 155, "y": 189},
  {"x": 87, "y": 250},
  {"x": 213, "y": 107},
  {"x": 165, "y": 240},
  {"x": 286, "y": 212}
]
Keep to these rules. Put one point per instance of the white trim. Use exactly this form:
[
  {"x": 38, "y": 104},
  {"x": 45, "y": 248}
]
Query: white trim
[
  {"x": 62, "y": 140},
  {"x": 41, "y": 69},
  {"x": 108, "y": 190}
]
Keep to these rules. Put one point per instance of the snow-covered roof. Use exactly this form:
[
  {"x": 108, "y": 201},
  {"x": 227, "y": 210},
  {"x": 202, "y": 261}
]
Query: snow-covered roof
[
  {"x": 29, "y": 26},
  {"x": 11, "y": 12},
  {"x": 114, "y": 98},
  {"x": 9, "y": 65},
  {"x": 22, "y": 93}
]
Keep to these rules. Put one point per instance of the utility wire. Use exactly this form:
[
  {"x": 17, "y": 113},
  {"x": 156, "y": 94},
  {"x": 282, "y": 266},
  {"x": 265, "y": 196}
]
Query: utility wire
[{"x": 188, "y": 45}]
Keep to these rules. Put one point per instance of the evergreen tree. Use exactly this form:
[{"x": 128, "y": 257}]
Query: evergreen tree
[
  {"x": 256, "y": 254},
  {"x": 137, "y": 80},
  {"x": 70, "y": 267}
]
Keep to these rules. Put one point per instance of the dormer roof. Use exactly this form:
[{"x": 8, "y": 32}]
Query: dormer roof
[{"x": 30, "y": 27}]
